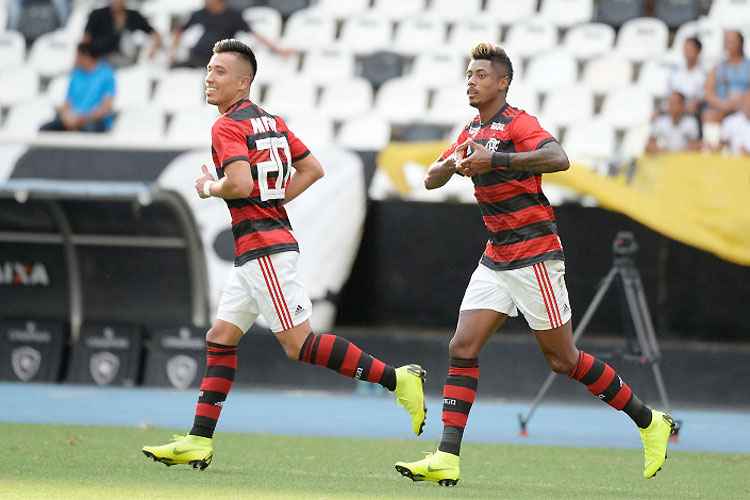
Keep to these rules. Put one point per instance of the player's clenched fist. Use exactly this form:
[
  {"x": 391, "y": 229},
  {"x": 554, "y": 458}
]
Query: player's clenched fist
[
  {"x": 203, "y": 183},
  {"x": 477, "y": 159}
]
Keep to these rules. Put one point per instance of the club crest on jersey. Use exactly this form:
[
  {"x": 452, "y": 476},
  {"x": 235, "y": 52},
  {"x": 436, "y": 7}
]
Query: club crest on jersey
[
  {"x": 492, "y": 144},
  {"x": 497, "y": 126}
]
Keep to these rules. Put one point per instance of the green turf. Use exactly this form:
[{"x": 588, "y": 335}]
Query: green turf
[{"x": 42, "y": 461}]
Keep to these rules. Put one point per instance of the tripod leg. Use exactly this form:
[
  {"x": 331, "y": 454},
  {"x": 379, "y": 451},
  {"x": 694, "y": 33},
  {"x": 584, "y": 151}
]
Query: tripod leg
[{"x": 523, "y": 420}]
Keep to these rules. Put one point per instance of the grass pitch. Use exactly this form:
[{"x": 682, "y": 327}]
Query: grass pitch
[{"x": 44, "y": 461}]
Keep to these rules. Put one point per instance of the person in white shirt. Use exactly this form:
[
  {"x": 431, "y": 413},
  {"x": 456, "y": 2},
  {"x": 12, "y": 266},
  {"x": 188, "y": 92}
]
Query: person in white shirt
[
  {"x": 689, "y": 79},
  {"x": 735, "y": 129},
  {"x": 676, "y": 130}
]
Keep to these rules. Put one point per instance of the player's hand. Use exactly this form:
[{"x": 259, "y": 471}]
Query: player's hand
[
  {"x": 479, "y": 161},
  {"x": 202, "y": 180}
]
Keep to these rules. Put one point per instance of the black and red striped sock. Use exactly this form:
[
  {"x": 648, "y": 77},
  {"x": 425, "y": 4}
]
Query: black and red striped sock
[
  {"x": 221, "y": 363},
  {"x": 459, "y": 393},
  {"x": 340, "y": 355},
  {"x": 604, "y": 382}
]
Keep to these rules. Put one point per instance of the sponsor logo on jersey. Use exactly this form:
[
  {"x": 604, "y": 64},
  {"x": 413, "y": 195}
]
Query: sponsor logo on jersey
[{"x": 497, "y": 126}]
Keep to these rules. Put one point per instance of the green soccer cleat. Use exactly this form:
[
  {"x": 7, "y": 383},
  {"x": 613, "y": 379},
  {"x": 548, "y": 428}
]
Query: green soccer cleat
[
  {"x": 438, "y": 467},
  {"x": 410, "y": 394},
  {"x": 192, "y": 450},
  {"x": 655, "y": 438}
]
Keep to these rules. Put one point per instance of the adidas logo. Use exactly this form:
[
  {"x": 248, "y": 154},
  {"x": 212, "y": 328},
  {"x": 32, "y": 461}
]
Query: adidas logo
[{"x": 298, "y": 310}]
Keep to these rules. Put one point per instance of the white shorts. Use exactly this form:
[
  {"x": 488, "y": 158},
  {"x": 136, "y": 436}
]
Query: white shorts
[
  {"x": 267, "y": 286},
  {"x": 538, "y": 291}
]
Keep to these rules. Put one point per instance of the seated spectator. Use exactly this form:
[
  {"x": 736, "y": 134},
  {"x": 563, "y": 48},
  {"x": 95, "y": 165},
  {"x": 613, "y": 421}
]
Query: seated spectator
[
  {"x": 215, "y": 22},
  {"x": 110, "y": 30},
  {"x": 34, "y": 18},
  {"x": 728, "y": 81},
  {"x": 674, "y": 131},
  {"x": 735, "y": 130},
  {"x": 689, "y": 79},
  {"x": 88, "y": 103}
]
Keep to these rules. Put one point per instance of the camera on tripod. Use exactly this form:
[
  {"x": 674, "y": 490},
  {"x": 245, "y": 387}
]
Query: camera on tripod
[{"x": 624, "y": 244}]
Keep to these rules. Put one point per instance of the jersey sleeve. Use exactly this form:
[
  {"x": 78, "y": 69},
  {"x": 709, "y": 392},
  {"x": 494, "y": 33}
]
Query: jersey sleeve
[
  {"x": 229, "y": 142},
  {"x": 296, "y": 147},
  {"x": 527, "y": 134}
]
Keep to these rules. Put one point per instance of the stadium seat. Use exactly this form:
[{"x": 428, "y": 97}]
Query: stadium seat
[
  {"x": 57, "y": 90},
  {"x": 498, "y": 11},
  {"x": 366, "y": 33},
  {"x": 273, "y": 67},
  {"x": 438, "y": 68},
  {"x": 264, "y": 20},
  {"x": 530, "y": 38},
  {"x": 192, "y": 127},
  {"x": 654, "y": 78},
  {"x": 180, "y": 89},
  {"x": 567, "y": 106},
  {"x": 566, "y": 13},
  {"x": 524, "y": 97},
  {"x": 675, "y": 13},
  {"x": 308, "y": 29},
  {"x": 449, "y": 105},
  {"x": 52, "y": 54},
  {"x": 606, "y": 73},
  {"x": 590, "y": 141},
  {"x": 12, "y": 49},
  {"x": 643, "y": 38},
  {"x": 401, "y": 100},
  {"x": 288, "y": 8},
  {"x": 449, "y": 11},
  {"x": 18, "y": 84},
  {"x": 551, "y": 70},
  {"x": 342, "y": 10},
  {"x": 710, "y": 34},
  {"x": 730, "y": 13},
  {"x": 381, "y": 67},
  {"x": 315, "y": 131},
  {"x": 468, "y": 32},
  {"x": 342, "y": 99},
  {"x": 365, "y": 133},
  {"x": 398, "y": 9},
  {"x": 417, "y": 34},
  {"x": 171, "y": 8},
  {"x": 627, "y": 107},
  {"x": 140, "y": 124},
  {"x": 589, "y": 40},
  {"x": 326, "y": 65},
  {"x": 77, "y": 20},
  {"x": 133, "y": 88},
  {"x": 617, "y": 12},
  {"x": 286, "y": 97},
  {"x": 24, "y": 120},
  {"x": 635, "y": 140}
]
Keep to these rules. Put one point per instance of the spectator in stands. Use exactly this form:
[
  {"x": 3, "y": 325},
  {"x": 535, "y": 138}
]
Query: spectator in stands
[
  {"x": 33, "y": 18},
  {"x": 735, "y": 130},
  {"x": 110, "y": 30},
  {"x": 215, "y": 22},
  {"x": 689, "y": 79},
  {"x": 88, "y": 104},
  {"x": 727, "y": 81},
  {"x": 676, "y": 130}
]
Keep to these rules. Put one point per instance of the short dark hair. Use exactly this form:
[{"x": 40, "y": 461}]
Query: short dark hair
[
  {"x": 86, "y": 49},
  {"x": 695, "y": 41},
  {"x": 493, "y": 53},
  {"x": 680, "y": 95},
  {"x": 234, "y": 45}
]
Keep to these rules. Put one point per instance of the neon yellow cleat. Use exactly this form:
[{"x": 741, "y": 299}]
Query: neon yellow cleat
[
  {"x": 655, "y": 438},
  {"x": 192, "y": 450},
  {"x": 439, "y": 467},
  {"x": 410, "y": 394}
]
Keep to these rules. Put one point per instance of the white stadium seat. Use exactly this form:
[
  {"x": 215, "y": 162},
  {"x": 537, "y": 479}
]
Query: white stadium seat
[
  {"x": 523, "y": 96},
  {"x": 635, "y": 140},
  {"x": 607, "y": 73},
  {"x": 287, "y": 97},
  {"x": 343, "y": 99},
  {"x": 551, "y": 70},
  {"x": 468, "y": 32},
  {"x": 510, "y": 13},
  {"x": 366, "y": 33},
  {"x": 711, "y": 35},
  {"x": 417, "y": 34},
  {"x": 568, "y": 105},
  {"x": 273, "y": 67},
  {"x": 452, "y": 11},
  {"x": 401, "y": 100},
  {"x": 730, "y": 13},
  {"x": 438, "y": 68},
  {"x": 133, "y": 88},
  {"x": 264, "y": 20},
  {"x": 590, "y": 141},
  {"x": 566, "y": 13},
  {"x": 627, "y": 107},
  {"x": 140, "y": 124},
  {"x": 342, "y": 10},
  {"x": 18, "y": 84},
  {"x": 12, "y": 49},
  {"x": 174, "y": 8},
  {"x": 180, "y": 89},
  {"x": 365, "y": 133},
  {"x": 642, "y": 38},
  {"x": 530, "y": 38},
  {"x": 52, "y": 54},
  {"x": 398, "y": 9},
  {"x": 654, "y": 78},
  {"x": 77, "y": 20},
  {"x": 314, "y": 130},
  {"x": 309, "y": 29},
  {"x": 326, "y": 65},
  {"x": 449, "y": 105},
  {"x": 57, "y": 90},
  {"x": 24, "y": 120},
  {"x": 192, "y": 126},
  {"x": 589, "y": 40}
]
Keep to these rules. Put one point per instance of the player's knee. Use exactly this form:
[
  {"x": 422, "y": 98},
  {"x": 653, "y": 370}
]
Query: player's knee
[
  {"x": 461, "y": 347},
  {"x": 218, "y": 335},
  {"x": 560, "y": 364}
]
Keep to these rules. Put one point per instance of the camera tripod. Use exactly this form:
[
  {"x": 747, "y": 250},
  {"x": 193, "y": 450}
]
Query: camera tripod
[{"x": 640, "y": 335}]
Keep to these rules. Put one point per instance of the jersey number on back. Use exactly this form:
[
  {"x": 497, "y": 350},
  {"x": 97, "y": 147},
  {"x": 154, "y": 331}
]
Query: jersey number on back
[{"x": 274, "y": 164}]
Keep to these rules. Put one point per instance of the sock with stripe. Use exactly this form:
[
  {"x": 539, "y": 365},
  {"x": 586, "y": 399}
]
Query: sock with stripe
[
  {"x": 342, "y": 356},
  {"x": 604, "y": 382},
  {"x": 459, "y": 393},
  {"x": 221, "y": 364}
]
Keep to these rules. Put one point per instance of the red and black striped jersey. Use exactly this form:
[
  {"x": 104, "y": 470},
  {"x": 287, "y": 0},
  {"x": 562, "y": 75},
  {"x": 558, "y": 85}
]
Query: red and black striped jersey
[
  {"x": 260, "y": 224},
  {"x": 517, "y": 215}
]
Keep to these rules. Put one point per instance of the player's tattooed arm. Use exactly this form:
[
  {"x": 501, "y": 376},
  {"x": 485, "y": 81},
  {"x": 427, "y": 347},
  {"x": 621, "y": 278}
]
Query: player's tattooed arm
[
  {"x": 548, "y": 158},
  {"x": 440, "y": 173}
]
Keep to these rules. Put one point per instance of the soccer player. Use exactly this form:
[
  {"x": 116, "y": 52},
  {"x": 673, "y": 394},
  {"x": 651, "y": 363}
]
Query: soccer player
[
  {"x": 254, "y": 152},
  {"x": 505, "y": 151}
]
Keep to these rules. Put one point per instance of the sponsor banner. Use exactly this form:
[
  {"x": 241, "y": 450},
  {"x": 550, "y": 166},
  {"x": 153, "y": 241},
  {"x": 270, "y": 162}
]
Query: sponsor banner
[
  {"x": 106, "y": 354},
  {"x": 175, "y": 357},
  {"x": 31, "y": 351}
]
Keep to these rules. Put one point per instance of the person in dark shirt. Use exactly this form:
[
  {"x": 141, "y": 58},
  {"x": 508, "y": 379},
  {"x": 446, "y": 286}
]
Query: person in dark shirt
[
  {"x": 108, "y": 31},
  {"x": 218, "y": 22}
]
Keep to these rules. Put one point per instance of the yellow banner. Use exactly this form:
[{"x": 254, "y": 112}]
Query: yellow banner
[{"x": 698, "y": 199}]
